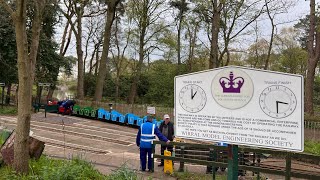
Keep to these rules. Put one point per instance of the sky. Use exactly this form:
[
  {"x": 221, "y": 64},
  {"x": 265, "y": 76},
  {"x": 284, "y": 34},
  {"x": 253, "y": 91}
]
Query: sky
[{"x": 294, "y": 14}]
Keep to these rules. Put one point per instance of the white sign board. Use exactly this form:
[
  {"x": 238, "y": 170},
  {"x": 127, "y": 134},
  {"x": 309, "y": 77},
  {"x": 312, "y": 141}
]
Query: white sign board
[
  {"x": 45, "y": 84},
  {"x": 2, "y": 84},
  {"x": 151, "y": 110},
  {"x": 243, "y": 106}
]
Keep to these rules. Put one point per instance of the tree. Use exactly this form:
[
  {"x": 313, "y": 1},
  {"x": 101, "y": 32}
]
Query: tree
[
  {"x": 118, "y": 52},
  {"x": 112, "y": 6},
  {"x": 182, "y": 6},
  {"x": 313, "y": 58},
  {"x": 215, "y": 27},
  {"x": 275, "y": 7},
  {"x": 27, "y": 54},
  {"x": 8, "y": 55},
  {"x": 77, "y": 9},
  {"x": 146, "y": 16}
]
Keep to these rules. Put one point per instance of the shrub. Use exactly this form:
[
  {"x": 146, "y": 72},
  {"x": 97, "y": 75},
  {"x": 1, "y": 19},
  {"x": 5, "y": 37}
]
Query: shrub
[
  {"x": 312, "y": 147},
  {"x": 8, "y": 110},
  {"x": 123, "y": 173},
  {"x": 46, "y": 168}
]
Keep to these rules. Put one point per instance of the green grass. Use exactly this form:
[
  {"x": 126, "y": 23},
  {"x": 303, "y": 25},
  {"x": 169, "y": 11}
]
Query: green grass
[
  {"x": 123, "y": 173},
  {"x": 46, "y": 168},
  {"x": 196, "y": 176},
  {"x": 312, "y": 147},
  {"x": 76, "y": 169},
  {"x": 8, "y": 110}
]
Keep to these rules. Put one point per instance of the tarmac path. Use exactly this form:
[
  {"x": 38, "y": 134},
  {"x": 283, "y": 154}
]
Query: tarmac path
[{"x": 107, "y": 145}]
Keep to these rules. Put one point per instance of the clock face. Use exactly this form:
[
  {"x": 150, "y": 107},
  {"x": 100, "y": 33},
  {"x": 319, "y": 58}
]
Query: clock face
[
  {"x": 192, "y": 98},
  {"x": 277, "y": 101}
]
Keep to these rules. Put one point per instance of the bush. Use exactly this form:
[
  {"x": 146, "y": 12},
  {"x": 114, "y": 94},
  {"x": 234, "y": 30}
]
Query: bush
[
  {"x": 123, "y": 173},
  {"x": 312, "y": 147},
  {"x": 196, "y": 176},
  {"x": 46, "y": 168},
  {"x": 75, "y": 169},
  {"x": 8, "y": 110}
]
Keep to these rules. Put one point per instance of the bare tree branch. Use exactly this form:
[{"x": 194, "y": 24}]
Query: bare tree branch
[{"x": 7, "y": 8}]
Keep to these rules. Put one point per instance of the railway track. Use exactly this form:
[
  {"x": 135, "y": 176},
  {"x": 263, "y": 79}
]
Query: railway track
[
  {"x": 66, "y": 146},
  {"x": 293, "y": 169},
  {"x": 78, "y": 134}
]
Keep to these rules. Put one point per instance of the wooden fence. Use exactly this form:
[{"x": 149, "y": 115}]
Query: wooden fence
[{"x": 255, "y": 166}]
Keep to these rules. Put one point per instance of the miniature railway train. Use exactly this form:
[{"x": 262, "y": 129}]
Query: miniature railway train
[{"x": 102, "y": 114}]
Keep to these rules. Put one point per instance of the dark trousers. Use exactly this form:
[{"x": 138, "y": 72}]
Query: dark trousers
[
  {"x": 164, "y": 147},
  {"x": 143, "y": 158}
]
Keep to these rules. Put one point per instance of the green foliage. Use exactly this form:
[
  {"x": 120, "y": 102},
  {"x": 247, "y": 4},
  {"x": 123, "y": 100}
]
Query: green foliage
[
  {"x": 8, "y": 55},
  {"x": 8, "y": 110},
  {"x": 161, "y": 83},
  {"x": 312, "y": 147},
  {"x": 123, "y": 173},
  {"x": 196, "y": 176},
  {"x": 46, "y": 169},
  {"x": 316, "y": 91}
]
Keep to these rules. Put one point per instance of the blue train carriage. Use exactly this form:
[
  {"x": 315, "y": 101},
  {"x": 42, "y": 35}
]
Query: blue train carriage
[
  {"x": 122, "y": 119},
  {"x": 103, "y": 114},
  {"x": 140, "y": 121},
  {"x": 154, "y": 121},
  {"x": 115, "y": 115},
  {"x": 131, "y": 119}
]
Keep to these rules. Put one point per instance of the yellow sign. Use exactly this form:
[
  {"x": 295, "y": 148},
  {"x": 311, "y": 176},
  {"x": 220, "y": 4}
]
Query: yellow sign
[{"x": 168, "y": 168}]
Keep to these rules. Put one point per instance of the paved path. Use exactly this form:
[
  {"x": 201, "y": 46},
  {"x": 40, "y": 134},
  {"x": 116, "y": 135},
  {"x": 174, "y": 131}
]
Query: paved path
[{"x": 107, "y": 145}]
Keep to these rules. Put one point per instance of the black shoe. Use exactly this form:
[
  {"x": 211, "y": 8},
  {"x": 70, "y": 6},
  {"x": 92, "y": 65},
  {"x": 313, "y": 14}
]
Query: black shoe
[
  {"x": 160, "y": 165},
  {"x": 150, "y": 170}
]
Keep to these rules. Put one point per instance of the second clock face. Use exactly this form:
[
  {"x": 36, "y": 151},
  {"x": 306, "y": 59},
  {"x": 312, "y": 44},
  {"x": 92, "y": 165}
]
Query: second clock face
[
  {"x": 192, "y": 98},
  {"x": 277, "y": 101}
]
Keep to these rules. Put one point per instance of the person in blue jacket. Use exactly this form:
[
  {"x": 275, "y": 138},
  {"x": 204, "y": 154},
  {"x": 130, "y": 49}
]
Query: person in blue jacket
[{"x": 145, "y": 137}]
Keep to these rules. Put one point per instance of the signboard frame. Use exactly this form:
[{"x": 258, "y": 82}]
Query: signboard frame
[
  {"x": 179, "y": 93},
  {"x": 151, "y": 110}
]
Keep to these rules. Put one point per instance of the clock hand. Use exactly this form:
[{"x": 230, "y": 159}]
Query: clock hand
[
  {"x": 191, "y": 93},
  {"x": 192, "y": 96},
  {"x": 277, "y": 102}
]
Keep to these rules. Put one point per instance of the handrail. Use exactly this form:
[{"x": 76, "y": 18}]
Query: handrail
[
  {"x": 247, "y": 149},
  {"x": 286, "y": 171}
]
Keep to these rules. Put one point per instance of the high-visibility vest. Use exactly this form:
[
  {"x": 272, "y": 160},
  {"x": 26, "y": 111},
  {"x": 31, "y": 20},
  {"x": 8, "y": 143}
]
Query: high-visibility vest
[{"x": 147, "y": 135}]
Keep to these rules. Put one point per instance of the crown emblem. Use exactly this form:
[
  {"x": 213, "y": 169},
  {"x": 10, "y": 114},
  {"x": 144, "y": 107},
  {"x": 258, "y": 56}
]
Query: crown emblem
[{"x": 231, "y": 84}]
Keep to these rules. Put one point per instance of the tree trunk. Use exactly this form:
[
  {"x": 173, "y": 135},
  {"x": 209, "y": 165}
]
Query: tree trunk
[
  {"x": 266, "y": 66},
  {"x": 21, "y": 154},
  {"x": 214, "y": 49},
  {"x": 314, "y": 54},
  {"x": 50, "y": 93},
  {"x": 104, "y": 57},
  {"x": 179, "y": 40},
  {"x": 136, "y": 78},
  {"x": 80, "y": 92},
  {"x": 26, "y": 65},
  {"x": 309, "y": 86},
  {"x": 8, "y": 94}
]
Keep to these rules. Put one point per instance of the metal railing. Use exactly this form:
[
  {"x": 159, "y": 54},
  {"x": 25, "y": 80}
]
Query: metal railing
[{"x": 255, "y": 167}]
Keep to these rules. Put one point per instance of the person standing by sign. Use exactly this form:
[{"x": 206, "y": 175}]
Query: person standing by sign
[
  {"x": 144, "y": 140},
  {"x": 167, "y": 129}
]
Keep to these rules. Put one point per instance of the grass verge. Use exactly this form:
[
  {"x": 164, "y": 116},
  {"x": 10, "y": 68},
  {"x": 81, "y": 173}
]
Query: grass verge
[
  {"x": 8, "y": 110},
  {"x": 196, "y": 176},
  {"x": 312, "y": 147},
  {"x": 76, "y": 169}
]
